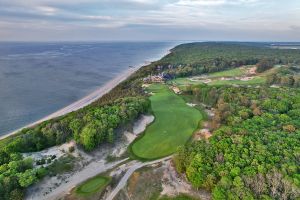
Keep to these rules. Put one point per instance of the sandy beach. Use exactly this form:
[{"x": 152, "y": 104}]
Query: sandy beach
[
  {"x": 84, "y": 101},
  {"x": 98, "y": 93}
]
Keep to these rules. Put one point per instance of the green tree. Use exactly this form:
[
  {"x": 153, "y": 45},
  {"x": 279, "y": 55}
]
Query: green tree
[
  {"x": 195, "y": 172},
  {"x": 27, "y": 178},
  {"x": 110, "y": 136},
  {"x": 88, "y": 137},
  {"x": 219, "y": 193},
  {"x": 16, "y": 194}
]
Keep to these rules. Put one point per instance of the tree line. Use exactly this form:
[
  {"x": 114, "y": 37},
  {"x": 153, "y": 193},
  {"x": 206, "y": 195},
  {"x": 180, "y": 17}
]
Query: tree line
[
  {"x": 206, "y": 57},
  {"x": 90, "y": 127}
]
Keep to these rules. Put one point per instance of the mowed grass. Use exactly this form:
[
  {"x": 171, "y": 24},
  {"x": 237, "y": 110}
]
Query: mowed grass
[
  {"x": 229, "y": 73},
  {"x": 215, "y": 78},
  {"x": 92, "y": 186},
  {"x": 174, "y": 124},
  {"x": 183, "y": 82}
]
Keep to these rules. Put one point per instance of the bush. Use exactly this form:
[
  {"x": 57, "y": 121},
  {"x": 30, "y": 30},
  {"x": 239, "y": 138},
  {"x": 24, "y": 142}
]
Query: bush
[{"x": 71, "y": 149}]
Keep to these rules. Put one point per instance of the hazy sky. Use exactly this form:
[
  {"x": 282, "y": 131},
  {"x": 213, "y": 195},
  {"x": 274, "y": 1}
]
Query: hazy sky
[{"x": 258, "y": 20}]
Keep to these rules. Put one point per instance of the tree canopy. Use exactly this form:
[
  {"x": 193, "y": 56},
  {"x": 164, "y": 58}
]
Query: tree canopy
[{"x": 254, "y": 151}]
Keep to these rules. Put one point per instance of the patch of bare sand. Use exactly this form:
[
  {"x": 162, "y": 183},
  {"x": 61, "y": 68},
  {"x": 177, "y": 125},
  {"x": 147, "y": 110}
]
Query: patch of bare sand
[
  {"x": 202, "y": 134},
  {"x": 159, "y": 178},
  {"x": 87, "y": 166},
  {"x": 57, "y": 151},
  {"x": 191, "y": 104},
  {"x": 174, "y": 184},
  {"x": 252, "y": 70},
  {"x": 139, "y": 126}
]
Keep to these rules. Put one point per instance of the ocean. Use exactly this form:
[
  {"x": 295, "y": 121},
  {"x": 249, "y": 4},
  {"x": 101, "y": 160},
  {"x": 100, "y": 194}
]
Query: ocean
[{"x": 37, "y": 79}]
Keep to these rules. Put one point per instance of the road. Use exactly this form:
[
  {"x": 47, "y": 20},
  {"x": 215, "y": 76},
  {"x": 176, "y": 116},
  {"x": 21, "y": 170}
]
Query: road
[{"x": 135, "y": 165}]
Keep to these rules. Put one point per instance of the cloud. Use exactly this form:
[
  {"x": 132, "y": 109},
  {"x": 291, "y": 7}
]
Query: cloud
[
  {"x": 210, "y": 3},
  {"x": 295, "y": 28},
  {"x": 47, "y": 10},
  {"x": 104, "y": 16}
]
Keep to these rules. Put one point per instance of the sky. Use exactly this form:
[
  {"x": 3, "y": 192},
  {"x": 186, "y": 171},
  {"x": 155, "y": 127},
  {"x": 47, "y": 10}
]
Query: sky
[{"x": 149, "y": 20}]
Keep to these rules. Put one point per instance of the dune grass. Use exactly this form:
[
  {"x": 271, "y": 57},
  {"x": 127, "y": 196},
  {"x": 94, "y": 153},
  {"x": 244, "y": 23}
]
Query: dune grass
[
  {"x": 93, "y": 185},
  {"x": 174, "y": 124}
]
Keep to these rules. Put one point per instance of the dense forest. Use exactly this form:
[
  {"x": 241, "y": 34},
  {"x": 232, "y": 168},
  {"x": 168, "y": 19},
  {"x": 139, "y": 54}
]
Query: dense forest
[
  {"x": 198, "y": 58},
  {"x": 254, "y": 152}
]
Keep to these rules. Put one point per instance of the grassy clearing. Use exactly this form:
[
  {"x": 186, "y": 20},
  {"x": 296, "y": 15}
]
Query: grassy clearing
[
  {"x": 92, "y": 186},
  {"x": 183, "y": 82},
  {"x": 229, "y": 73},
  {"x": 174, "y": 124},
  {"x": 216, "y": 78}
]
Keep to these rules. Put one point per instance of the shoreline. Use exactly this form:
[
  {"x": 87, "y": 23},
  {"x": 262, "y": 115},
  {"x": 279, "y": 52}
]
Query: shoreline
[{"x": 90, "y": 98}]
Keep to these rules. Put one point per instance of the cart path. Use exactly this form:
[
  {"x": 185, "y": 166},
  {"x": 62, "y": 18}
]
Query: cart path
[{"x": 134, "y": 166}]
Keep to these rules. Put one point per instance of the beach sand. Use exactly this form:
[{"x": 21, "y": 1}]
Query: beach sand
[{"x": 98, "y": 93}]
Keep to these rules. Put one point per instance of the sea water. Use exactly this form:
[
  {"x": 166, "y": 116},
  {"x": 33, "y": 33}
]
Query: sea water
[{"x": 37, "y": 79}]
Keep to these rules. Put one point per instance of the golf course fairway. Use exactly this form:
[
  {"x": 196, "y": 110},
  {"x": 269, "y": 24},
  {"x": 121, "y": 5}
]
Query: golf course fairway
[{"x": 174, "y": 124}]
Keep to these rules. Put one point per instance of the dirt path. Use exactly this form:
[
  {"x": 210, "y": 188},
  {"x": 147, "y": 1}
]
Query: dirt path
[
  {"x": 90, "y": 164},
  {"x": 88, "y": 172},
  {"x": 134, "y": 166}
]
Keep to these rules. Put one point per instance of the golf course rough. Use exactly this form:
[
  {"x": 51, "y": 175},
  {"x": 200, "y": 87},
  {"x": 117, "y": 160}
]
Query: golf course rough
[{"x": 174, "y": 124}]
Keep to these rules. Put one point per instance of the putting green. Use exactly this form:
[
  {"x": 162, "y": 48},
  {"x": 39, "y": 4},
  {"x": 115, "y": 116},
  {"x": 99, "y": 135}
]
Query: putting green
[
  {"x": 92, "y": 185},
  {"x": 174, "y": 124}
]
